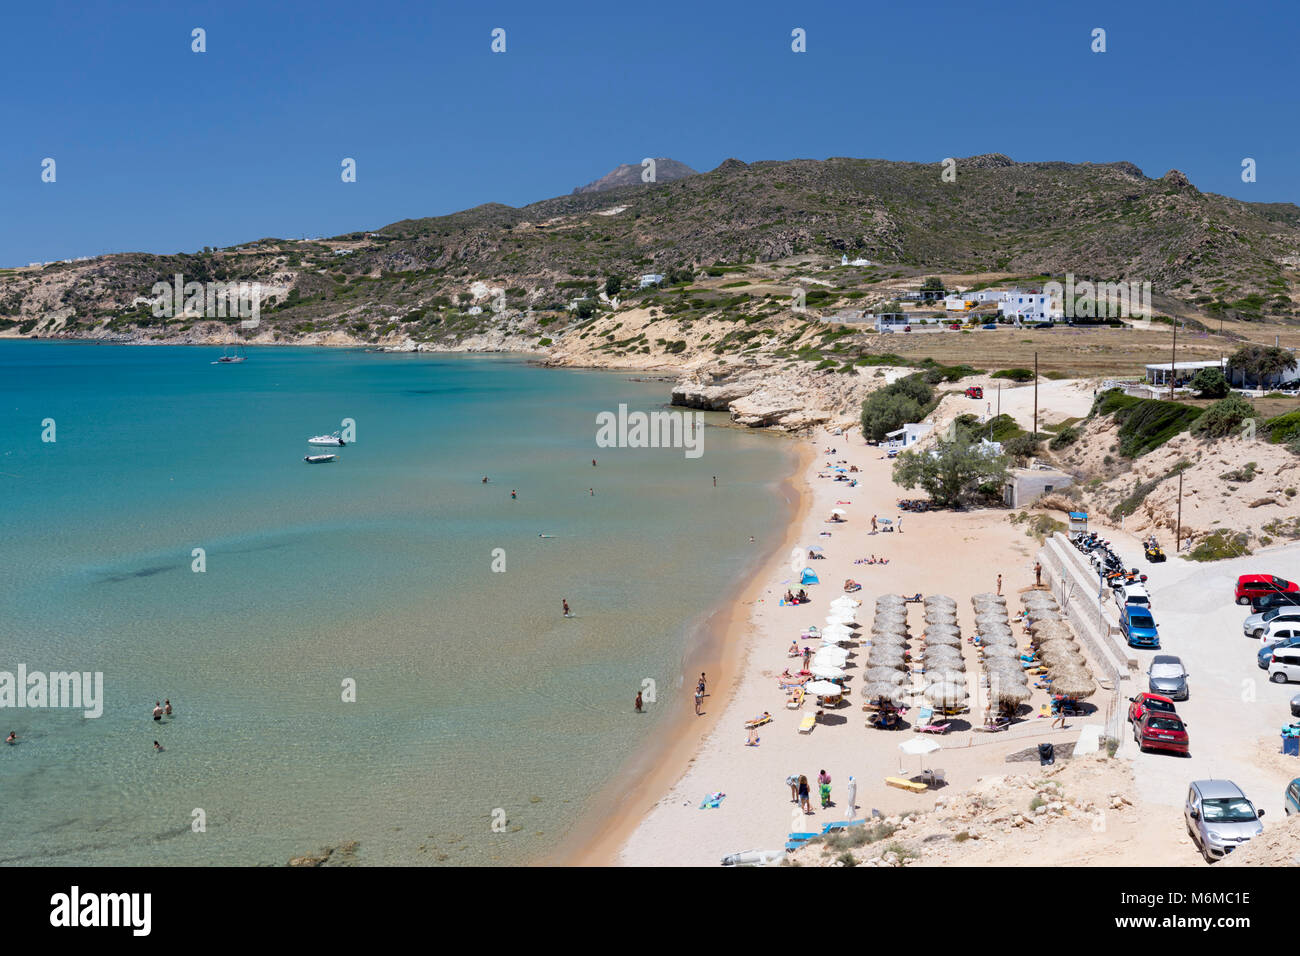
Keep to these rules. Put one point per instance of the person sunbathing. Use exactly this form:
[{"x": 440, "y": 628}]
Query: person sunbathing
[
  {"x": 802, "y": 596},
  {"x": 851, "y": 585},
  {"x": 913, "y": 599},
  {"x": 794, "y": 650},
  {"x": 789, "y": 597}
]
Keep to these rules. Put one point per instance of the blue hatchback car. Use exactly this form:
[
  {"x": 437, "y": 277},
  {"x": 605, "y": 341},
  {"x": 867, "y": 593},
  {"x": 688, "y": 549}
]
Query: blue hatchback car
[
  {"x": 1291, "y": 799},
  {"x": 1266, "y": 652},
  {"x": 1139, "y": 627}
]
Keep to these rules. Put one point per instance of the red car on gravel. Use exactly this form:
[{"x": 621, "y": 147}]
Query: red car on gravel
[
  {"x": 1156, "y": 730},
  {"x": 1251, "y": 586},
  {"x": 1143, "y": 703}
]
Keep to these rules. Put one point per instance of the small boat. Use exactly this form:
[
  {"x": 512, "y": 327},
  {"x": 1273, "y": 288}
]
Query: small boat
[
  {"x": 319, "y": 459},
  {"x": 326, "y": 440},
  {"x": 228, "y": 359}
]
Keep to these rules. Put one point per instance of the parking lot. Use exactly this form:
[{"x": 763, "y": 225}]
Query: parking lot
[{"x": 1234, "y": 714}]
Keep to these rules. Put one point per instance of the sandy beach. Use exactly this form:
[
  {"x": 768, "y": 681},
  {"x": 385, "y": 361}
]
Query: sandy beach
[{"x": 958, "y": 554}]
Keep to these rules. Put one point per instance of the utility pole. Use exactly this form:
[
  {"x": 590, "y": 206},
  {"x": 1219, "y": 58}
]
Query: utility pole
[
  {"x": 1178, "y": 532},
  {"x": 1173, "y": 361},
  {"x": 999, "y": 399},
  {"x": 1035, "y": 393}
]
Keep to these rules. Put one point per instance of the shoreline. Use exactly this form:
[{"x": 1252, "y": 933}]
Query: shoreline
[{"x": 622, "y": 804}]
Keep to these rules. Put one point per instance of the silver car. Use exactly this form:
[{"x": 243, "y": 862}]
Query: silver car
[
  {"x": 1219, "y": 817},
  {"x": 1167, "y": 676},
  {"x": 1256, "y": 624}
]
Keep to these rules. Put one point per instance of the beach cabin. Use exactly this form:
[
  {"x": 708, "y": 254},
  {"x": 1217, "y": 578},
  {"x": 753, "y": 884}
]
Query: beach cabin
[
  {"x": 1078, "y": 522},
  {"x": 1026, "y": 485},
  {"x": 909, "y": 434}
]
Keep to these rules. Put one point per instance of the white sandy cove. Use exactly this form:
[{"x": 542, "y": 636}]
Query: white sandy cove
[{"x": 958, "y": 554}]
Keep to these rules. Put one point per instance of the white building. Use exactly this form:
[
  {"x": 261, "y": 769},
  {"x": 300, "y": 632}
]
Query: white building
[
  {"x": 1029, "y": 306},
  {"x": 1158, "y": 372},
  {"x": 909, "y": 434},
  {"x": 889, "y": 321},
  {"x": 650, "y": 279}
]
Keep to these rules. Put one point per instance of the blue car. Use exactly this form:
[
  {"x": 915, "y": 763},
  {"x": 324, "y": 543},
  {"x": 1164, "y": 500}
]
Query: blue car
[
  {"x": 991, "y": 326},
  {"x": 1292, "y": 797},
  {"x": 1139, "y": 626},
  {"x": 1266, "y": 652}
]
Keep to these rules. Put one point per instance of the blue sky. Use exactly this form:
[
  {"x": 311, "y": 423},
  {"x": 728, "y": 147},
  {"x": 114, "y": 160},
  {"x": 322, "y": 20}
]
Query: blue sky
[{"x": 160, "y": 149}]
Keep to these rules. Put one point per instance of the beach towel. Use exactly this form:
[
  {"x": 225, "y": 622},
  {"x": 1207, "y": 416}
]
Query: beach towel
[
  {"x": 825, "y": 789},
  {"x": 713, "y": 801}
]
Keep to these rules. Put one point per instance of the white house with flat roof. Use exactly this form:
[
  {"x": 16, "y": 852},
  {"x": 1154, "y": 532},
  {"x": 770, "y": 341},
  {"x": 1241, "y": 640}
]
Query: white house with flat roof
[
  {"x": 650, "y": 279},
  {"x": 1029, "y": 306},
  {"x": 1158, "y": 372},
  {"x": 909, "y": 434}
]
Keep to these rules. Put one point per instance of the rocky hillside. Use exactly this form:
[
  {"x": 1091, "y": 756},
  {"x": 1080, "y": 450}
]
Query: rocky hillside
[{"x": 629, "y": 174}]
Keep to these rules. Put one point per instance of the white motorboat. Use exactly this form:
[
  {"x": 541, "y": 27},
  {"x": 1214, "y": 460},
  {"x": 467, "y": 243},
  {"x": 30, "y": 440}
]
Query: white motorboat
[
  {"x": 320, "y": 459},
  {"x": 326, "y": 440}
]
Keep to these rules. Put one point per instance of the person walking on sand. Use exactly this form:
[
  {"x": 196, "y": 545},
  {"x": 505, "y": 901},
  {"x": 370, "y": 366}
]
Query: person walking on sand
[
  {"x": 565, "y": 602},
  {"x": 792, "y": 782},
  {"x": 898, "y": 525},
  {"x": 157, "y": 710},
  {"x": 999, "y": 584},
  {"x": 699, "y": 699},
  {"x": 701, "y": 684},
  {"x": 804, "y": 794},
  {"x": 1038, "y": 574},
  {"x": 638, "y": 702},
  {"x": 873, "y": 524},
  {"x": 853, "y": 798}
]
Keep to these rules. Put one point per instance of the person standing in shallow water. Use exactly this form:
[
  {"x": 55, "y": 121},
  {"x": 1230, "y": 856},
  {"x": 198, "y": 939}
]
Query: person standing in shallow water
[
  {"x": 565, "y": 602},
  {"x": 638, "y": 702},
  {"x": 157, "y": 710},
  {"x": 167, "y": 707}
]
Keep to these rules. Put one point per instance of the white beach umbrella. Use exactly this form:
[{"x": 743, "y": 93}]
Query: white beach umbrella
[
  {"x": 836, "y": 631},
  {"x": 827, "y": 671},
  {"x": 841, "y": 616},
  {"x": 823, "y": 688},
  {"x": 917, "y": 747},
  {"x": 845, "y": 601},
  {"x": 836, "y": 656}
]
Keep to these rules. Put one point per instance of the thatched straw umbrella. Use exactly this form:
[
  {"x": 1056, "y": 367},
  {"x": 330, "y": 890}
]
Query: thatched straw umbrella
[
  {"x": 890, "y": 600},
  {"x": 1037, "y": 599},
  {"x": 938, "y": 600},
  {"x": 887, "y": 674},
  {"x": 943, "y": 638},
  {"x": 886, "y": 657},
  {"x": 950, "y": 675},
  {"x": 889, "y": 627},
  {"x": 1037, "y": 614},
  {"x": 1008, "y": 693},
  {"x": 1075, "y": 684},
  {"x": 1043, "y": 628},
  {"x": 879, "y": 690},
  {"x": 1059, "y": 653},
  {"x": 995, "y": 651},
  {"x": 988, "y": 597},
  {"x": 946, "y": 694},
  {"x": 935, "y": 615},
  {"x": 997, "y": 635}
]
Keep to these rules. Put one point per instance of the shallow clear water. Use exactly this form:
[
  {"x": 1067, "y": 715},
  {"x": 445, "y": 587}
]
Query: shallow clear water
[{"x": 473, "y": 692}]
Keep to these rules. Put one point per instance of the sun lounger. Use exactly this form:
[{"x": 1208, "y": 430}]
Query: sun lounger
[
  {"x": 806, "y": 725},
  {"x": 842, "y": 825},
  {"x": 939, "y": 727},
  {"x": 796, "y": 699},
  {"x": 992, "y": 728},
  {"x": 902, "y": 783},
  {"x": 758, "y": 721}
]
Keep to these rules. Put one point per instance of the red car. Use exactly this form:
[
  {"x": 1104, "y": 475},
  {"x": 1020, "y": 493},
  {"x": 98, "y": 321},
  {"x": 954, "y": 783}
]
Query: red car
[
  {"x": 1144, "y": 703},
  {"x": 1255, "y": 585},
  {"x": 1160, "y": 731}
]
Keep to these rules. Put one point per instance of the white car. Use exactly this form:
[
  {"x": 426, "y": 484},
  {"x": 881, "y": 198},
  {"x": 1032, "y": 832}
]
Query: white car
[
  {"x": 1257, "y": 625},
  {"x": 1278, "y": 631},
  {"x": 1132, "y": 594}
]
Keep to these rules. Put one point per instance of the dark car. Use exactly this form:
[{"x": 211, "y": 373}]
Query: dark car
[
  {"x": 1266, "y": 602},
  {"x": 989, "y": 325},
  {"x": 1160, "y": 731},
  {"x": 1044, "y": 325},
  {"x": 1295, "y": 706},
  {"x": 1143, "y": 703},
  {"x": 1265, "y": 655}
]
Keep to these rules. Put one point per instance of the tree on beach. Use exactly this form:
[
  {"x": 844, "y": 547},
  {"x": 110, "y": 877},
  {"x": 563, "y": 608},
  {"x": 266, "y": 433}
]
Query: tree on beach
[
  {"x": 890, "y": 408},
  {"x": 953, "y": 473}
]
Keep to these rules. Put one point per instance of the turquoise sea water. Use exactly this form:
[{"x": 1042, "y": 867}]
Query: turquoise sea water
[{"x": 473, "y": 692}]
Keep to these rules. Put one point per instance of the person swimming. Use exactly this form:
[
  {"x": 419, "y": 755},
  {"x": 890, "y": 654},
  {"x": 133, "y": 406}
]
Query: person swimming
[
  {"x": 512, "y": 493},
  {"x": 12, "y": 738}
]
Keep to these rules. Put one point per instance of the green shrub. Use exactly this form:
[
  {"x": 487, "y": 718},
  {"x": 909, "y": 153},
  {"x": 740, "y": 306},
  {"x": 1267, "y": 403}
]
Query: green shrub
[
  {"x": 1223, "y": 418},
  {"x": 1144, "y": 423},
  {"x": 1209, "y": 383},
  {"x": 1065, "y": 437},
  {"x": 1220, "y": 545},
  {"x": 1015, "y": 374},
  {"x": 1283, "y": 428}
]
